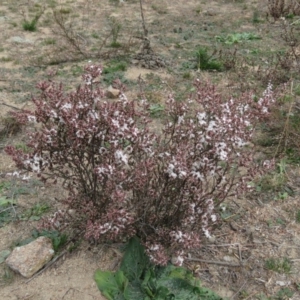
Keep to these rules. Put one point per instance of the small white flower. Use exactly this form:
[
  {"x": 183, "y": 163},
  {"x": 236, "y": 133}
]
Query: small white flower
[
  {"x": 120, "y": 156},
  {"x": 31, "y": 119}
]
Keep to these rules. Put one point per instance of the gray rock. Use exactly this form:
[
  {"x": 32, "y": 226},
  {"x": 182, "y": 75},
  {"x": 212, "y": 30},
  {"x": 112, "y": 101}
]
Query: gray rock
[
  {"x": 4, "y": 19},
  {"x": 211, "y": 12},
  {"x": 19, "y": 40},
  {"x": 29, "y": 259}
]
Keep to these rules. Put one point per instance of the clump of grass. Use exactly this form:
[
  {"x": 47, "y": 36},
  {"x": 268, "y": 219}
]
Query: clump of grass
[
  {"x": 31, "y": 25},
  {"x": 255, "y": 17},
  {"x": 278, "y": 265},
  {"x": 114, "y": 70},
  {"x": 298, "y": 216},
  {"x": 9, "y": 126},
  {"x": 6, "y": 59},
  {"x": 115, "y": 31},
  {"x": 115, "y": 66},
  {"x": 65, "y": 10},
  {"x": 7, "y": 276},
  {"x": 204, "y": 61},
  {"x": 49, "y": 41},
  {"x": 236, "y": 38},
  {"x": 275, "y": 184},
  {"x": 160, "y": 8}
]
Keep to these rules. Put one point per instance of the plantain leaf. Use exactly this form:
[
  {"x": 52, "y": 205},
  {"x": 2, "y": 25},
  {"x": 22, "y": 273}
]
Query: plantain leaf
[
  {"x": 135, "y": 261},
  {"x": 112, "y": 285},
  {"x": 138, "y": 279},
  {"x": 4, "y": 201}
]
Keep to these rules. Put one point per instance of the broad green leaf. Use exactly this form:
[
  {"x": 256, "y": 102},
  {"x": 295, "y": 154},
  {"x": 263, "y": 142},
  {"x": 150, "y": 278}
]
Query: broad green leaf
[
  {"x": 182, "y": 285},
  {"x": 34, "y": 218},
  {"x": 4, "y": 201},
  {"x": 135, "y": 261},
  {"x": 138, "y": 279},
  {"x": 112, "y": 285},
  {"x": 3, "y": 255}
]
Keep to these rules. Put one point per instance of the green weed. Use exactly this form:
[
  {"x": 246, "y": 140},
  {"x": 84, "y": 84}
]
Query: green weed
[
  {"x": 236, "y": 38},
  {"x": 138, "y": 279},
  {"x": 160, "y": 8},
  {"x": 22, "y": 147},
  {"x": 204, "y": 61},
  {"x": 30, "y": 25},
  {"x": 35, "y": 213},
  {"x": 7, "y": 276},
  {"x": 6, "y": 59},
  {"x": 65, "y": 10},
  {"x": 58, "y": 239},
  {"x": 9, "y": 126},
  {"x": 49, "y": 41},
  {"x": 114, "y": 70},
  {"x": 284, "y": 294},
  {"x": 156, "y": 110},
  {"x": 278, "y": 265},
  {"x": 298, "y": 216},
  {"x": 76, "y": 70},
  {"x": 115, "y": 31}
]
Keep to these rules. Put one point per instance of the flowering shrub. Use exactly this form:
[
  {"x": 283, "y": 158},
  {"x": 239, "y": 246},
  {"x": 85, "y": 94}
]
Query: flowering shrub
[{"x": 124, "y": 179}]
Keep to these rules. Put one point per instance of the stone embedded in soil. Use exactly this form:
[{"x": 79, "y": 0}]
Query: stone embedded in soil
[
  {"x": 19, "y": 40},
  {"x": 211, "y": 12},
  {"x": 112, "y": 93},
  {"x": 30, "y": 258}
]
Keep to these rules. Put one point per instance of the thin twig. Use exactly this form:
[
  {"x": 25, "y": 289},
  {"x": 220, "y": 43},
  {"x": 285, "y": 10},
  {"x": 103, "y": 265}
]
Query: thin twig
[
  {"x": 236, "y": 294},
  {"x": 8, "y": 105},
  {"x": 143, "y": 20},
  {"x": 56, "y": 258},
  {"x": 240, "y": 253},
  {"x": 251, "y": 295},
  {"x": 221, "y": 263}
]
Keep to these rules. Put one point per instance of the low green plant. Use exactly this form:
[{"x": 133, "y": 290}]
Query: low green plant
[
  {"x": 6, "y": 59},
  {"x": 156, "y": 110},
  {"x": 65, "y": 10},
  {"x": 279, "y": 265},
  {"x": 236, "y": 38},
  {"x": 298, "y": 216},
  {"x": 255, "y": 17},
  {"x": 284, "y": 294},
  {"x": 35, "y": 213},
  {"x": 7, "y": 276},
  {"x": 114, "y": 70},
  {"x": 76, "y": 70},
  {"x": 58, "y": 239},
  {"x": 115, "y": 66},
  {"x": 23, "y": 147},
  {"x": 187, "y": 75},
  {"x": 31, "y": 25},
  {"x": 160, "y": 8},
  {"x": 138, "y": 279},
  {"x": 204, "y": 61},
  {"x": 263, "y": 297},
  {"x": 275, "y": 183},
  {"x": 115, "y": 31},
  {"x": 9, "y": 126},
  {"x": 49, "y": 41},
  {"x": 6, "y": 205}
]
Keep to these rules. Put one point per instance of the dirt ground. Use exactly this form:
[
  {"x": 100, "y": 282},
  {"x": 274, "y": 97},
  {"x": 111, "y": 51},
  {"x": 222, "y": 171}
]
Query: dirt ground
[{"x": 253, "y": 229}]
